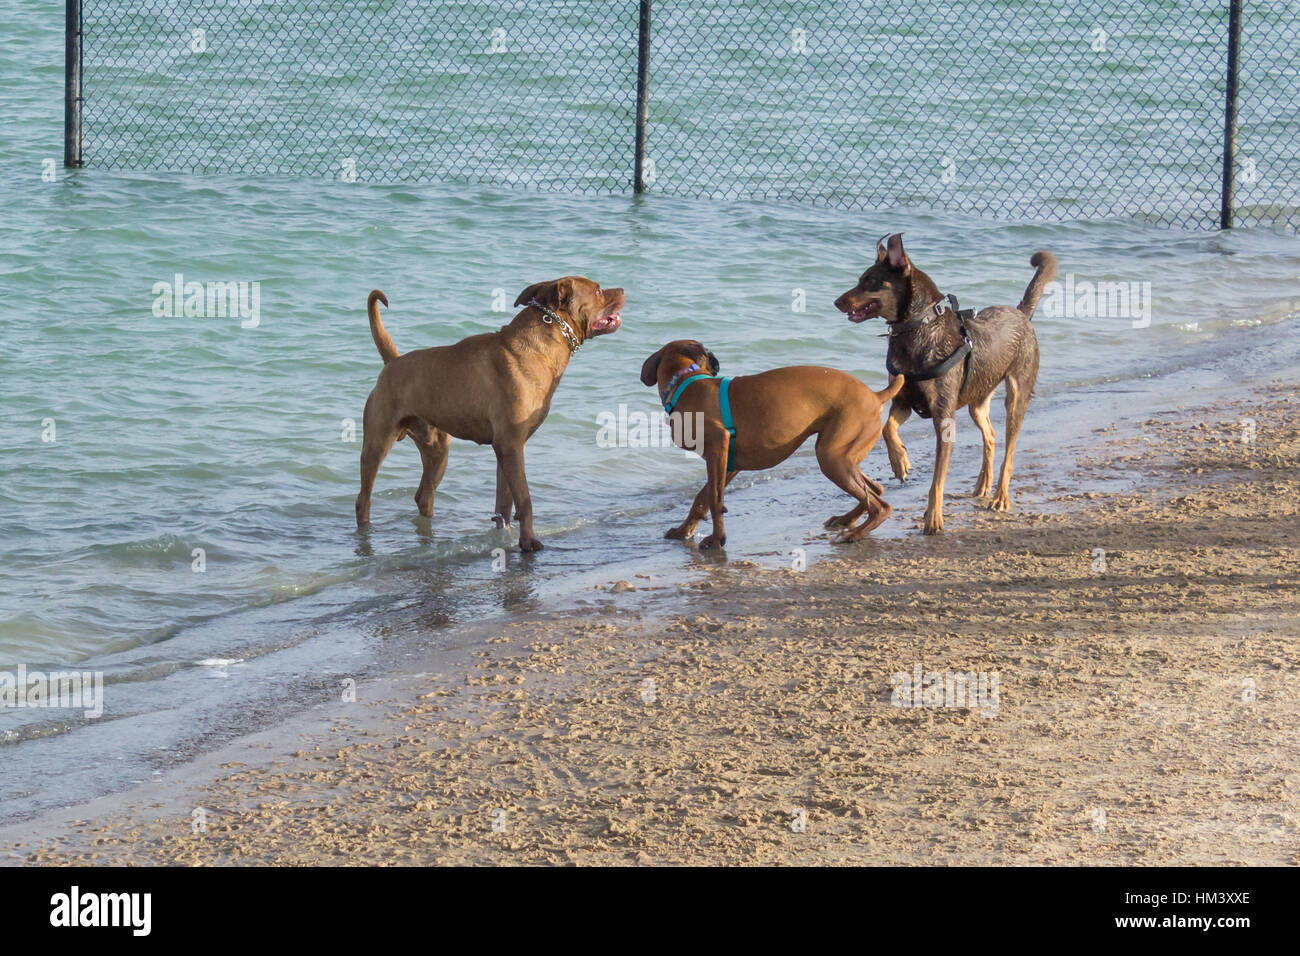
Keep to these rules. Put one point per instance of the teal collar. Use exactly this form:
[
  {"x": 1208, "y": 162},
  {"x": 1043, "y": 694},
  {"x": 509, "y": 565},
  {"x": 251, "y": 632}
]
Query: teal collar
[{"x": 677, "y": 384}]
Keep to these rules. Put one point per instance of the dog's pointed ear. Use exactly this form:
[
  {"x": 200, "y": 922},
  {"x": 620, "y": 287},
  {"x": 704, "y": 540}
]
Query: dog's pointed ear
[
  {"x": 547, "y": 293},
  {"x": 882, "y": 251},
  {"x": 650, "y": 368},
  {"x": 897, "y": 255},
  {"x": 714, "y": 365}
]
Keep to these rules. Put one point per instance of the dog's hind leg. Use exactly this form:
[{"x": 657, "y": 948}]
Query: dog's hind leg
[
  {"x": 877, "y": 511},
  {"x": 376, "y": 444},
  {"x": 898, "y": 460},
  {"x": 850, "y": 478},
  {"x": 434, "y": 445},
  {"x": 979, "y": 414},
  {"x": 851, "y": 486},
  {"x": 1017, "y": 401},
  {"x": 840, "y": 465},
  {"x": 833, "y": 459}
]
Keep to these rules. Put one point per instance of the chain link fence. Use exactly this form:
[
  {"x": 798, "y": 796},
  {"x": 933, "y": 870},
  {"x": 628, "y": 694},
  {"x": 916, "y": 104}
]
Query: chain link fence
[
  {"x": 1100, "y": 109},
  {"x": 1268, "y": 138}
]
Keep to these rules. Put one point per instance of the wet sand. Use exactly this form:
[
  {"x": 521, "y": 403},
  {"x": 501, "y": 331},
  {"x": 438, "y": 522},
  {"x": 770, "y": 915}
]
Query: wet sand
[{"x": 1147, "y": 707}]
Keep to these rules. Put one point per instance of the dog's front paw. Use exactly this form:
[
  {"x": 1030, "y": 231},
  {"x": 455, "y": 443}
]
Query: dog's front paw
[
  {"x": 679, "y": 533},
  {"x": 501, "y": 521},
  {"x": 529, "y": 545},
  {"x": 836, "y": 521},
  {"x": 933, "y": 522},
  {"x": 901, "y": 464},
  {"x": 983, "y": 485},
  {"x": 713, "y": 541},
  {"x": 1001, "y": 502}
]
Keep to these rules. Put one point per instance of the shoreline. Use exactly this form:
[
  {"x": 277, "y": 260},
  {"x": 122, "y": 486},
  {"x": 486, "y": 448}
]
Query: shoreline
[
  {"x": 337, "y": 605},
  {"x": 1122, "y": 729}
]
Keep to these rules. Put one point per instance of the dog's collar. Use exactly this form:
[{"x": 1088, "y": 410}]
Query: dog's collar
[
  {"x": 932, "y": 311},
  {"x": 674, "y": 387},
  {"x": 965, "y": 351},
  {"x": 549, "y": 316}
]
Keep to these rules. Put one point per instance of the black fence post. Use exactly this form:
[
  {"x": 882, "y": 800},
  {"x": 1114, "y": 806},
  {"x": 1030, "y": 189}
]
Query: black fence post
[
  {"x": 642, "y": 96},
  {"x": 1230, "y": 114},
  {"x": 72, "y": 83}
]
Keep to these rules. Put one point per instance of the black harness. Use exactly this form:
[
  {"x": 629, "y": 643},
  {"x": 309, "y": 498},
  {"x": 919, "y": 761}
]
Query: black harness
[{"x": 963, "y": 351}]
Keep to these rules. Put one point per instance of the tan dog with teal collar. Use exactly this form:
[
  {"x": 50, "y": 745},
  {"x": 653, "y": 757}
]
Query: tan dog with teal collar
[{"x": 772, "y": 414}]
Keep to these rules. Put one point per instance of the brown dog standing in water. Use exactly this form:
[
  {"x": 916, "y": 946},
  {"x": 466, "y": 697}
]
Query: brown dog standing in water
[
  {"x": 981, "y": 352},
  {"x": 773, "y": 414},
  {"x": 494, "y": 389}
]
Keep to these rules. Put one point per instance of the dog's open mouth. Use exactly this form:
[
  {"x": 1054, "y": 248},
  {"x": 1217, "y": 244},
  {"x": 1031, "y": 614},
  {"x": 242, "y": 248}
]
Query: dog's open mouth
[
  {"x": 611, "y": 316},
  {"x": 864, "y": 313}
]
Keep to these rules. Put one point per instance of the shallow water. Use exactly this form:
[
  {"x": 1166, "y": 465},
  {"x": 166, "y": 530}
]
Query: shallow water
[{"x": 176, "y": 434}]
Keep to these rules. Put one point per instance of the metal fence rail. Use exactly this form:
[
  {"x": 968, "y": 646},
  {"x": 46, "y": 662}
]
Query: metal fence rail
[{"x": 1100, "y": 109}]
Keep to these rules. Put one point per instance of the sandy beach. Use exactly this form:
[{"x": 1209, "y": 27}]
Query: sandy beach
[{"x": 1141, "y": 702}]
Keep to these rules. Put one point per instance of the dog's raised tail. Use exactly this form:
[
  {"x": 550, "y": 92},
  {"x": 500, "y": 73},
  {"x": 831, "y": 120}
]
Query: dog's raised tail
[
  {"x": 383, "y": 341},
  {"x": 893, "y": 388},
  {"x": 1045, "y": 263}
]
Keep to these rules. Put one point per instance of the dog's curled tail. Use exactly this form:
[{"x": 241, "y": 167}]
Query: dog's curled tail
[
  {"x": 383, "y": 341},
  {"x": 1045, "y": 263},
  {"x": 894, "y": 387}
]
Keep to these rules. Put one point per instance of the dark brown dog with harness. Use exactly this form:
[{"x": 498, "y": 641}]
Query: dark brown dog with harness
[
  {"x": 950, "y": 358},
  {"x": 755, "y": 422}
]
